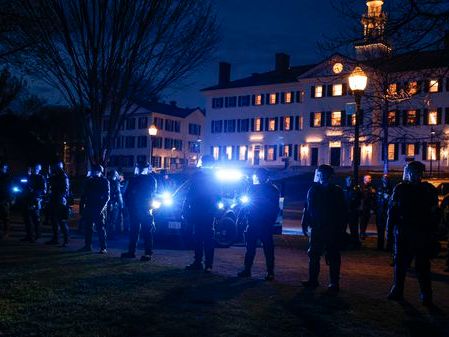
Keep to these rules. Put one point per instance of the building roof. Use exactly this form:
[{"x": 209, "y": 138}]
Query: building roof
[
  {"x": 270, "y": 77},
  {"x": 167, "y": 109}
]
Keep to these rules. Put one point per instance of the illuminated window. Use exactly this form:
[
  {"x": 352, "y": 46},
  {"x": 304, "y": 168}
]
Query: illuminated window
[
  {"x": 353, "y": 119},
  {"x": 392, "y": 88},
  {"x": 270, "y": 153},
  {"x": 242, "y": 152},
  {"x": 337, "y": 90},
  {"x": 229, "y": 152},
  {"x": 288, "y": 97},
  {"x": 271, "y": 124},
  {"x": 272, "y": 98},
  {"x": 318, "y": 91},
  {"x": 433, "y": 118},
  {"x": 286, "y": 151},
  {"x": 391, "y": 152},
  {"x": 287, "y": 123},
  {"x": 410, "y": 150},
  {"x": 392, "y": 118},
  {"x": 433, "y": 86},
  {"x": 258, "y": 124},
  {"x": 301, "y": 122},
  {"x": 336, "y": 118},
  {"x": 216, "y": 152},
  {"x": 258, "y": 100},
  {"x": 431, "y": 151},
  {"x": 317, "y": 119},
  {"x": 411, "y": 117},
  {"x": 413, "y": 88}
]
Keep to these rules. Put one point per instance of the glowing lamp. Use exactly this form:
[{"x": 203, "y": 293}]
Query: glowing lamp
[
  {"x": 358, "y": 80},
  {"x": 152, "y": 130}
]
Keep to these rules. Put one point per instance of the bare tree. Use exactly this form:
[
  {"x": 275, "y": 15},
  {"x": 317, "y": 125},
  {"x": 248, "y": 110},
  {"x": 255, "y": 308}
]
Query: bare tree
[
  {"x": 105, "y": 55},
  {"x": 10, "y": 88}
]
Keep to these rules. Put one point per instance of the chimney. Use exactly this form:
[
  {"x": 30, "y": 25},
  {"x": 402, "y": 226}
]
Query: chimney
[
  {"x": 282, "y": 62},
  {"x": 224, "y": 73}
]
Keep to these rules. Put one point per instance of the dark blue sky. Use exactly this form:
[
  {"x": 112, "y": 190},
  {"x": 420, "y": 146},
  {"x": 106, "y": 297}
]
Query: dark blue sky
[{"x": 254, "y": 30}]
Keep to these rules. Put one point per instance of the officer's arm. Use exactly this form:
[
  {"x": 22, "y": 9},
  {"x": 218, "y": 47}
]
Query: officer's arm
[
  {"x": 107, "y": 195},
  {"x": 343, "y": 209},
  {"x": 436, "y": 211},
  {"x": 393, "y": 211}
]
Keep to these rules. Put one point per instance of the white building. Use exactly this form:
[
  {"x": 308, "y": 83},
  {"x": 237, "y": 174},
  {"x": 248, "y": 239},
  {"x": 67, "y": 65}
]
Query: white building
[
  {"x": 300, "y": 114},
  {"x": 176, "y": 145}
]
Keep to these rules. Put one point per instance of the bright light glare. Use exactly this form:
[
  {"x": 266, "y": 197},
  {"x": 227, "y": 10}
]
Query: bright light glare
[
  {"x": 220, "y": 205},
  {"x": 229, "y": 175},
  {"x": 155, "y": 204},
  {"x": 167, "y": 199},
  {"x": 24, "y": 180},
  {"x": 15, "y": 189},
  {"x": 244, "y": 199}
]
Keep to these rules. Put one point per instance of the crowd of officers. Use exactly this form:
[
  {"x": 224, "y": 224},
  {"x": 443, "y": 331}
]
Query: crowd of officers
[{"x": 408, "y": 215}]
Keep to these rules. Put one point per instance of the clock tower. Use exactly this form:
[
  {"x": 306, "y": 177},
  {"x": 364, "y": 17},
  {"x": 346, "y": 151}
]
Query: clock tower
[{"x": 373, "y": 21}]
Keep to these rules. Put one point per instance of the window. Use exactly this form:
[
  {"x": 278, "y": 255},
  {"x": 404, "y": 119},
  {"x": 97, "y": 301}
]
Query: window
[
  {"x": 229, "y": 152},
  {"x": 156, "y": 142},
  {"x": 216, "y": 152},
  {"x": 194, "y": 147},
  {"x": 287, "y": 123},
  {"x": 258, "y": 100},
  {"x": 244, "y": 100},
  {"x": 217, "y": 126},
  {"x": 142, "y": 141},
  {"x": 258, "y": 124},
  {"x": 242, "y": 152},
  {"x": 411, "y": 117},
  {"x": 156, "y": 161},
  {"x": 130, "y": 124},
  {"x": 337, "y": 90},
  {"x": 229, "y": 125},
  {"x": 169, "y": 125},
  {"x": 177, "y": 126},
  {"x": 336, "y": 118},
  {"x": 119, "y": 142},
  {"x": 177, "y": 144},
  {"x": 392, "y": 88},
  {"x": 231, "y": 102},
  {"x": 286, "y": 151},
  {"x": 272, "y": 124},
  {"x": 413, "y": 88},
  {"x": 130, "y": 142},
  {"x": 194, "y": 129},
  {"x": 143, "y": 122},
  {"x": 244, "y": 125},
  {"x": 288, "y": 97},
  {"x": 301, "y": 122},
  {"x": 392, "y": 152},
  {"x": 128, "y": 161},
  {"x": 168, "y": 143},
  {"x": 433, "y": 86},
  {"x": 318, "y": 91},
  {"x": 217, "y": 103},
  {"x": 431, "y": 151},
  {"x": 392, "y": 118},
  {"x": 272, "y": 98},
  {"x": 410, "y": 150},
  {"x": 353, "y": 119},
  {"x": 159, "y": 122},
  {"x": 270, "y": 153},
  {"x": 317, "y": 119},
  {"x": 433, "y": 118}
]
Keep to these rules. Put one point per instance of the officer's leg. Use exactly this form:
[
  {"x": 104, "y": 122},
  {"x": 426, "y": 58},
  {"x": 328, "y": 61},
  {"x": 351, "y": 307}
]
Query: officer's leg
[
  {"x": 54, "y": 219},
  {"x": 36, "y": 220},
  {"x": 268, "y": 249},
  {"x": 316, "y": 247},
  {"x": 422, "y": 266},
  {"x": 402, "y": 260},
  {"x": 88, "y": 224},
  {"x": 364, "y": 220},
  {"x": 197, "y": 248},
  {"x": 390, "y": 238},
  {"x": 100, "y": 223},
  {"x": 334, "y": 258},
  {"x": 251, "y": 244},
  {"x": 147, "y": 233},
  {"x": 63, "y": 222},
  {"x": 134, "y": 229},
  {"x": 27, "y": 220},
  {"x": 209, "y": 247},
  {"x": 354, "y": 226},
  {"x": 380, "y": 225}
]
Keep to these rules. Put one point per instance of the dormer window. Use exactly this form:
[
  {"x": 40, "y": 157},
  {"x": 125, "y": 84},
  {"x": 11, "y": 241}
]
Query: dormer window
[
  {"x": 258, "y": 99},
  {"x": 272, "y": 98},
  {"x": 392, "y": 88},
  {"x": 433, "y": 86},
  {"x": 413, "y": 88},
  {"x": 318, "y": 91},
  {"x": 288, "y": 97},
  {"x": 337, "y": 90}
]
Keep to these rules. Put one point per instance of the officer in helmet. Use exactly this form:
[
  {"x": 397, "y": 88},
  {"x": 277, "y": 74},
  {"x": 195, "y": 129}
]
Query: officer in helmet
[
  {"x": 327, "y": 218},
  {"x": 95, "y": 198},
  {"x": 263, "y": 209},
  {"x": 200, "y": 207},
  {"x": 138, "y": 198},
  {"x": 413, "y": 214},
  {"x": 5, "y": 198}
]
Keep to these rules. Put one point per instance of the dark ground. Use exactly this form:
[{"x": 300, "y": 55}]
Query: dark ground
[{"x": 52, "y": 291}]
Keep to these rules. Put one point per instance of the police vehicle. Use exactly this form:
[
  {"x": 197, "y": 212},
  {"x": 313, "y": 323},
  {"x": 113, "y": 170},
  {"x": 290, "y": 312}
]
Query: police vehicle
[{"x": 230, "y": 220}]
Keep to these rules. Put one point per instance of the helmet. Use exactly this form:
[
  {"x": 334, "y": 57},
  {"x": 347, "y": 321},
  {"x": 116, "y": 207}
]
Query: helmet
[
  {"x": 143, "y": 165},
  {"x": 97, "y": 168},
  {"x": 326, "y": 169}
]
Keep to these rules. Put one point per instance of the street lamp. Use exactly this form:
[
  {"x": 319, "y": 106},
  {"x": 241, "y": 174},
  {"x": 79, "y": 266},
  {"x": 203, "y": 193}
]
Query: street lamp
[
  {"x": 152, "y": 131},
  {"x": 357, "y": 83}
]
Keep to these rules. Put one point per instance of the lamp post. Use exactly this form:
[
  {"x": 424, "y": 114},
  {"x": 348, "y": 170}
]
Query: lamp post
[
  {"x": 432, "y": 134},
  {"x": 357, "y": 83},
  {"x": 152, "y": 131}
]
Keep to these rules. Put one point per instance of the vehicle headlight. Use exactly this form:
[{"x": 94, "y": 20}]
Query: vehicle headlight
[
  {"x": 155, "y": 204},
  {"x": 220, "y": 205},
  {"x": 244, "y": 199},
  {"x": 167, "y": 199},
  {"x": 229, "y": 175}
]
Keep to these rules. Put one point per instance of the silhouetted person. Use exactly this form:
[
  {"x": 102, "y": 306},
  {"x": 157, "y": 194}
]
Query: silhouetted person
[
  {"x": 326, "y": 215},
  {"x": 368, "y": 204},
  {"x": 138, "y": 197},
  {"x": 115, "y": 205},
  {"x": 59, "y": 191},
  {"x": 93, "y": 209},
  {"x": 445, "y": 212},
  {"x": 200, "y": 208},
  {"x": 34, "y": 192},
  {"x": 5, "y": 198},
  {"x": 263, "y": 209},
  {"x": 383, "y": 195},
  {"x": 353, "y": 198},
  {"x": 413, "y": 215}
]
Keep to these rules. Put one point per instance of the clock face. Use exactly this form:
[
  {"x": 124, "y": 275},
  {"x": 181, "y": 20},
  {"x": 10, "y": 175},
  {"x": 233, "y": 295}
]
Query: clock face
[{"x": 337, "y": 68}]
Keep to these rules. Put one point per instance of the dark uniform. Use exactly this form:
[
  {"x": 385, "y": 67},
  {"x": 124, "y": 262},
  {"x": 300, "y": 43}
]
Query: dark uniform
[
  {"x": 445, "y": 214},
  {"x": 383, "y": 194},
  {"x": 138, "y": 197},
  {"x": 200, "y": 209},
  {"x": 5, "y": 201},
  {"x": 59, "y": 212},
  {"x": 35, "y": 190},
  {"x": 326, "y": 215},
  {"x": 353, "y": 198},
  {"x": 93, "y": 211},
  {"x": 114, "y": 208},
  {"x": 263, "y": 210},
  {"x": 368, "y": 205},
  {"x": 413, "y": 215}
]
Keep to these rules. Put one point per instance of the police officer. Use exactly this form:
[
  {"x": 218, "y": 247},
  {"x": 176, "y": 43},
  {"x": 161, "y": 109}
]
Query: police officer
[
  {"x": 93, "y": 210},
  {"x": 200, "y": 208},
  {"x": 35, "y": 190},
  {"x": 115, "y": 204},
  {"x": 413, "y": 213},
  {"x": 138, "y": 197},
  {"x": 5, "y": 198},
  {"x": 383, "y": 194},
  {"x": 263, "y": 209},
  {"x": 326, "y": 215},
  {"x": 368, "y": 204},
  {"x": 445, "y": 220},
  {"x": 353, "y": 200},
  {"x": 58, "y": 198}
]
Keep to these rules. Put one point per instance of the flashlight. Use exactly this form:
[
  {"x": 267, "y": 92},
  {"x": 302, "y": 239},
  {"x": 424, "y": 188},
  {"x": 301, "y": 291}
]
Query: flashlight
[
  {"x": 155, "y": 204},
  {"x": 220, "y": 205},
  {"x": 167, "y": 199},
  {"x": 244, "y": 199}
]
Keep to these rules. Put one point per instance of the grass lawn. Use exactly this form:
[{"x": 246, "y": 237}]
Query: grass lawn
[{"x": 47, "y": 292}]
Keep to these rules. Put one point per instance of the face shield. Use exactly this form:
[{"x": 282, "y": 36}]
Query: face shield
[
  {"x": 406, "y": 174},
  {"x": 316, "y": 177}
]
